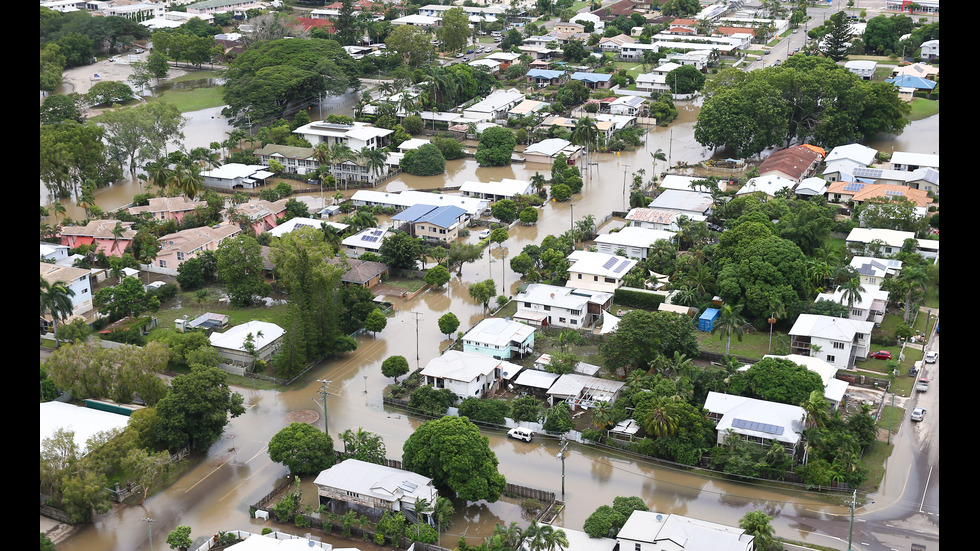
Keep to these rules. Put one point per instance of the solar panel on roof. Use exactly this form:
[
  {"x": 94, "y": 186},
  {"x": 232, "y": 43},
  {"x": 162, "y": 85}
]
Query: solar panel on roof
[
  {"x": 370, "y": 238},
  {"x": 894, "y": 193},
  {"x": 758, "y": 427},
  {"x": 609, "y": 263},
  {"x": 621, "y": 266},
  {"x": 853, "y": 187}
]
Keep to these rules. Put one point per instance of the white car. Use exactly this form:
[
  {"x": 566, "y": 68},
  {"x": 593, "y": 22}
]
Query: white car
[
  {"x": 931, "y": 356},
  {"x": 521, "y": 433},
  {"x": 918, "y": 414},
  {"x": 485, "y": 234}
]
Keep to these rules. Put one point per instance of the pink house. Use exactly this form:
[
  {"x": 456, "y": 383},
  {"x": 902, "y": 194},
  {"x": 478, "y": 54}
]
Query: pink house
[
  {"x": 262, "y": 214},
  {"x": 168, "y": 208},
  {"x": 175, "y": 248},
  {"x": 102, "y": 233}
]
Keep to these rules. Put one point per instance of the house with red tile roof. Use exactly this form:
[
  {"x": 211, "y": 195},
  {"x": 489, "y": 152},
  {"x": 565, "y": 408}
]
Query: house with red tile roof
[{"x": 794, "y": 163}]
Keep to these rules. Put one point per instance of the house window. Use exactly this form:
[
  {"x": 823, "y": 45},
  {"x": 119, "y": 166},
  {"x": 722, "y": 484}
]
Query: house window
[
  {"x": 180, "y": 256},
  {"x": 561, "y": 320},
  {"x": 527, "y": 304},
  {"x": 580, "y": 276},
  {"x": 637, "y": 547},
  {"x": 839, "y": 345},
  {"x": 855, "y": 312},
  {"x": 547, "y": 308},
  {"x": 595, "y": 278},
  {"x": 830, "y": 359},
  {"x": 610, "y": 280},
  {"x": 574, "y": 321},
  {"x": 163, "y": 263}
]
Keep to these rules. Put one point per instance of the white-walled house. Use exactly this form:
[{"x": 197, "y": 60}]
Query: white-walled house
[
  {"x": 841, "y": 340},
  {"x": 652, "y": 531},
  {"x": 757, "y": 421},
  {"x": 466, "y": 374},
  {"x": 634, "y": 241},
  {"x": 233, "y": 344},
  {"x": 546, "y": 305},
  {"x": 75, "y": 279},
  {"x": 597, "y": 271},
  {"x": 499, "y": 338},
  {"x": 869, "y": 307},
  {"x": 375, "y": 488}
]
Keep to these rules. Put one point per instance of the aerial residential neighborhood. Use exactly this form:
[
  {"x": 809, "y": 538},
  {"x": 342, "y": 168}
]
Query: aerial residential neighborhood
[{"x": 489, "y": 276}]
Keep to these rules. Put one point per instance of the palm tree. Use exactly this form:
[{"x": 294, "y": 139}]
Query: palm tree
[
  {"x": 159, "y": 173},
  {"x": 375, "y": 160},
  {"x": 56, "y": 300},
  {"x": 511, "y": 535},
  {"x": 602, "y": 415},
  {"x": 852, "y": 289},
  {"x": 537, "y": 181},
  {"x": 758, "y": 525},
  {"x": 585, "y": 133},
  {"x": 661, "y": 419},
  {"x": 340, "y": 154},
  {"x": 910, "y": 281},
  {"x": 729, "y": 321},
  {"x": 657, "y": 155},
  {"x": 193, "y": 183},
  {"x": 815, "y": 408}
]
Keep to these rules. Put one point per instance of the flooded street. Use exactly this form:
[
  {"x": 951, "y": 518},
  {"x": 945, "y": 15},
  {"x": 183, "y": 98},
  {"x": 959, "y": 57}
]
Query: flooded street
[{"x": 216, "y": 495}]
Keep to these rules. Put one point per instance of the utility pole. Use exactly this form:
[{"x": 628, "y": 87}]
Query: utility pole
[
  {"x": 562, "y": 455},
  {"x": 850, "y": 531},
  {"x": 625, "y": 170},
  {"x": 323, "y": 393},
  {"x": 417, "y": 317}
]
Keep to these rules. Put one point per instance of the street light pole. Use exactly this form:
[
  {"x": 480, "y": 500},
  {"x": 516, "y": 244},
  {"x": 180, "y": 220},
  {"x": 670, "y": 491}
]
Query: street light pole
[
  {"x": 625, "y": 170},
  {"x": 149, "y": 529},
  {"x": 561, "y": 455}
]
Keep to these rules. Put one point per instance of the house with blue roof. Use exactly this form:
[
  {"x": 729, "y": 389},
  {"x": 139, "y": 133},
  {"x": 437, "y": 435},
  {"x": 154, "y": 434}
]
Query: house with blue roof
[
  {"x": 593, "y": 80},
  {"x": 544, "y": 76},
  {"x": 433, "y": 223}
]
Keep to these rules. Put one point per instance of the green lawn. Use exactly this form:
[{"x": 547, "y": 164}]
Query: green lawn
[
  {"x": 754, "y": 344},
  {"x": 893, "y": 416},
  {"x": 410, "y": 285},
  {"x": 923, "y": 108},
  {"x": 187, "y": 305},
  {"x": 874, "y": 460},
  {"x": 196, "y": 98}
]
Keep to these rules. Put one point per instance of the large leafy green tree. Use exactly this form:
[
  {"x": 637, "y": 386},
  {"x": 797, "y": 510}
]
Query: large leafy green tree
[
  {"x": 777, "y": 380},
  {"x": 642, "y": 335},
  {"x": 270, "y": 75},
  {"x": 72, "y": 153},
  {"x": 455, "y": 29},
  {"x": 759, "y": 525},
  {"x": 838, "y": 37},
  {"x": 412, "y": 43},
  {"x": 427, "y": 160},
  {"x": 400, "y": 251},
  {"x": 495, "y": 147},
  {"x": 240, "y": 269},
  {"x": 196, "y": 409},
  {"x": 302, "y": 448},
  {"x": 364, "y": 446},
  {"x": 456, "y": 456}
]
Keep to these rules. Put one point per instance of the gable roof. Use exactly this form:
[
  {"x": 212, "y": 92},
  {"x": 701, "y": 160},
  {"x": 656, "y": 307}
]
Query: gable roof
[
  {"x": 794, "y": 162},
  {"x": 689, "y": 534},
  {"x": 499, "y": 332},
  {"x": 463, "y": 366},
  {"x": 377, "y": 481},
  {"x": 829, "y": 327},
  {"x": 757, "y": 418}
]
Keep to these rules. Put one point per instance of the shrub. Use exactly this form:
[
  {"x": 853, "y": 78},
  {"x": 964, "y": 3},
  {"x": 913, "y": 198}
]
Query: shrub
[{"x": 637, "y": 299}]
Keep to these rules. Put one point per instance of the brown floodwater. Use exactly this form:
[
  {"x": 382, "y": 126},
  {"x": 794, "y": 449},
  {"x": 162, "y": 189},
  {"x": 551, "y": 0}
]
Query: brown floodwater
[{"x": 216, "y": 494}]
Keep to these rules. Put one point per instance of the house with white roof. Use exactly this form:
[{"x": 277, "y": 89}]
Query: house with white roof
[
  {"x": 546, "y": 151},
  {"x": 236, "y": 176},
  {"x": 499, "y": 338},
  {"x": 811, "y": 187},
  {"x": 870, "y": 306},
  {"x": 597, "y": 271},
  {"x": 84, "y": 422},
  {"x": 356, "y": 136},
  {"x": 495, "y": 106},
  {"x": 769, "y": 184},
  {"x": 656, "y": 80},
  {"x": 583, "y": 391},
  {"x": 860, "y": 154},
  {"x": 756, "y": 421},
  {"x": 833, "y": 388},
  {"x": 367, "y": 240},
  {"x": 233, "y": 345},
  {"x": 904, "y": 160},
  {"x": 402, "y": 200},
  {"x": 634, "y": 241},
  {"x": 630, "y": 106},
  {"x": 375, "y": 489},
  {"x": 687, "y": 183},
  {"x": 841, "y": 341},
  {"x": 507, "y": 188},
  {"x": 294, "y": 224},
  {"x": 889, "y": 241},
  {"x": 862, "y": 67},
  {"x": 694, "y": 205},
  {"x": 652, "y": 531},
  {"x": 929, "y": 50},
  {"x": 548, "y": 305},
  {"x": 466, "y": 374},
  {"x": 873, "y": 271}
]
